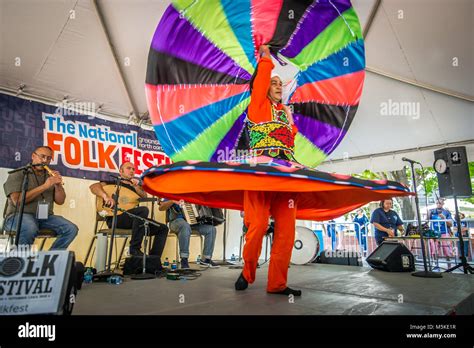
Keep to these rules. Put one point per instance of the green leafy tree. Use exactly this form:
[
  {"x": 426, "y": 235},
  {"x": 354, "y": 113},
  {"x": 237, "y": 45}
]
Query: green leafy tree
[{"x": 471, "y": 174}]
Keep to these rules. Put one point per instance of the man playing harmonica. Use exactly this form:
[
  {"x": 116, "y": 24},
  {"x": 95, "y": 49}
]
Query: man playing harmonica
[
  {"x": 127, "y": 172},
  {"x": 43, "y": 191}
]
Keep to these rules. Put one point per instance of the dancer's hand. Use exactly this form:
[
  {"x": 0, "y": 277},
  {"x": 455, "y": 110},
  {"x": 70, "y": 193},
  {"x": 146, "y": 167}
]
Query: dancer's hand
[{"x": 264, "y": 51}]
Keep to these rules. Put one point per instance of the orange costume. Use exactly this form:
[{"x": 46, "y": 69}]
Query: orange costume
[
  {"x": 268, "y": 181},
  {"x": 259, "y": 205}
]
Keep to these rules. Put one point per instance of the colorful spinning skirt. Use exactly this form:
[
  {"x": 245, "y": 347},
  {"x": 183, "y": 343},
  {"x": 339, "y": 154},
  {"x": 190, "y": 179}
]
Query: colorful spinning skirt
[{"x": 320, "y": 196}]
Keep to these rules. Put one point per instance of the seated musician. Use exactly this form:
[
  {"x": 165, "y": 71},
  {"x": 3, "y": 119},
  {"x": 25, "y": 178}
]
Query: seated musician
[
  {"x": 127, "y": 171},
  {"x": 43, "y": 191},
  {"x": 182, "y": 228}
]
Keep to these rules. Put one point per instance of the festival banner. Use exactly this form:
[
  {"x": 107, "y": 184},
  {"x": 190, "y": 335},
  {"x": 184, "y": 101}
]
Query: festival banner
[
  {"x": 84, "y": 146},
  {"x": 34, "y": 282}
]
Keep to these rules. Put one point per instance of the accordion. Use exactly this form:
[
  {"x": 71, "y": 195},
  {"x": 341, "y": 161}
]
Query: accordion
[{"x": 200, "y": 215}]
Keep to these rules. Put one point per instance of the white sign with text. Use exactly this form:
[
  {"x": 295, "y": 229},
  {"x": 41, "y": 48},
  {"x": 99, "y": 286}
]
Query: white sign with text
[{"x": 34, "y": 283}]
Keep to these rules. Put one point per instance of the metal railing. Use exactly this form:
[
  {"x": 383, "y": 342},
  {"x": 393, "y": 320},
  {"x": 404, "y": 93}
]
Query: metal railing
[
  {"x": 351, "y": 236},
  {"x": 348, "y": 236}
]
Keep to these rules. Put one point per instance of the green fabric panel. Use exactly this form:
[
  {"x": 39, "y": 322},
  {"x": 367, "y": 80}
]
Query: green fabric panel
[
  {"x": 306, "y": 153},
  {"x": 334, "y": 38}
]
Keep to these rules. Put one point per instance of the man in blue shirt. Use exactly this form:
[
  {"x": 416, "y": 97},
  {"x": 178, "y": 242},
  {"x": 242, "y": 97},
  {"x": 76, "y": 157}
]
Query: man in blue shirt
[
  {"x": 359, "y": 226},
  {"x": 442, "y": 228},
  {"x": 332, "y": 233},
  {"x": 440, "y": 213},
  {"x": 385, "y": 221}
]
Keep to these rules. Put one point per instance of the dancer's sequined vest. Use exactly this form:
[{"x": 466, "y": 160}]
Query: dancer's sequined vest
[{"x": 273, "y": 138}]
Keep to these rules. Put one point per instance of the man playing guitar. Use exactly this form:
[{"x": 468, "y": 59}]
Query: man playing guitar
[{"x": 127, "y": 171}]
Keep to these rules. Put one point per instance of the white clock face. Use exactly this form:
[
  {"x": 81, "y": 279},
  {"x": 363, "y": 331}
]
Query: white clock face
[{"x": 440, "y": 166}]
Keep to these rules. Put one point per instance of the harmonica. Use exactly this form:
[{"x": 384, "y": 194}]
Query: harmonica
[{"x": 50, "y": 172}]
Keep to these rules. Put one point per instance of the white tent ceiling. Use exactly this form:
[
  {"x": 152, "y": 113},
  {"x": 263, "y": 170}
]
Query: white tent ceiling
[{"x": 96, "y": 51}]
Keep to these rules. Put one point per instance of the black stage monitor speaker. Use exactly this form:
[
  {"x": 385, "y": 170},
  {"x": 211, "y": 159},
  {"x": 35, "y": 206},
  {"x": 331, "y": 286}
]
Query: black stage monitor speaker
[
  {"x": 451, "y": 166},
  {"x": 392, "y": 257}
]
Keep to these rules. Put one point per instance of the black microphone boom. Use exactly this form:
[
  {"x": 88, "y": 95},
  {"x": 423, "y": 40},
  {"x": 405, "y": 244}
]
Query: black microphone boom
[
  {"x": 116, "y": 177},
  {"x": 26, "y": 167},
  {"x": 404, "y": 159}
]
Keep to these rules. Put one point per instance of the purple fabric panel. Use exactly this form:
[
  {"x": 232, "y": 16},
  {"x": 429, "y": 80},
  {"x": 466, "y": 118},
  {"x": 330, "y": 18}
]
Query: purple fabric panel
[
  {"x": 228, "y": 142},
  {"x": 177, "y": 37},
  {"x": 321, "y": 134}
]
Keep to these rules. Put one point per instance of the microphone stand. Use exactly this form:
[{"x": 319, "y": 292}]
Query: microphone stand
[
  {"x": 466, "y": 267},
  {"x": 425, "y": 273},
  {"x": 24, "y": 189},
  {"x": 108, "y": 273},
  {"x": 146, "y": 223}
]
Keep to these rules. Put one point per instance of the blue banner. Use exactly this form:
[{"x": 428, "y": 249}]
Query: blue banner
[{"x": 84, "y": 146}]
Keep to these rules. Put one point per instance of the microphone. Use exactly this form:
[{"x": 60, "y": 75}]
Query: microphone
[
  {"x": 140, "y": 182},
  {"x": 404, "y": 159},
  {"x": 116, "y": 177},
  {"x": 27, "y": 167}
]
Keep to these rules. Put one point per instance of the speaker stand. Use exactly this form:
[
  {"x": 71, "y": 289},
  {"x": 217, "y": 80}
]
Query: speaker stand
[{"x": 425, "y": 273}]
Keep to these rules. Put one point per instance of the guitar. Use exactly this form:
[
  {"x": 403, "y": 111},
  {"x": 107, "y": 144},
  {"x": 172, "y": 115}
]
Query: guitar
[{"x": 128, "y": 199}]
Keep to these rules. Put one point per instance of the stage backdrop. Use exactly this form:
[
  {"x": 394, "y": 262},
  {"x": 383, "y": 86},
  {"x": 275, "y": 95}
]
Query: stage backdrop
[{"x": 85, "y": 146}]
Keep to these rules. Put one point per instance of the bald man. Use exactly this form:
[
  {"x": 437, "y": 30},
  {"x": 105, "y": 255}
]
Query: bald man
[{"x": 127, "y": 172}]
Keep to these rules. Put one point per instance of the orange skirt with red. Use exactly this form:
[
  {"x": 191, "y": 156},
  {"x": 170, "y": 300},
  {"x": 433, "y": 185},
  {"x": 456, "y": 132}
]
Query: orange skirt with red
[{"x": 321, "y": 195}]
